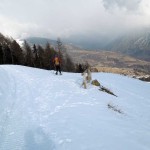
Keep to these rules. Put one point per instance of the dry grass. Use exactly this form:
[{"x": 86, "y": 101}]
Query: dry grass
[
  {"x": 114, "y": 108},
  {"x": 123, "y": 71},
  {"x": 107, "y": 61}
]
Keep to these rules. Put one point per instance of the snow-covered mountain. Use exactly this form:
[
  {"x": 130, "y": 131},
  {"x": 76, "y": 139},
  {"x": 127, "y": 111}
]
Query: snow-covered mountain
[
  {"x": 40, "y": 41},
  {"x": 135, "y": 43},
  {"x": 42, "y": 111},
  {"x": 36, "y": 40}
]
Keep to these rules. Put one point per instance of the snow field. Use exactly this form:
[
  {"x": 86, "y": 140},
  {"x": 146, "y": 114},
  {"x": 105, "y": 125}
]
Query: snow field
[{"x": 42, "y": 111}]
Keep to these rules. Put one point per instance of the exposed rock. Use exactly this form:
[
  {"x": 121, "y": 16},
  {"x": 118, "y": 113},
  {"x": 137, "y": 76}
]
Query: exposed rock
[
  {"x": 144, "y": 78},
  {"x": 95, "y": 82}
]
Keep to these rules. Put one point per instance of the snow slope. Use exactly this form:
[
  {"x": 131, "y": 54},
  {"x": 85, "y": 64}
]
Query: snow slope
[{"x": 42, "y": 111}]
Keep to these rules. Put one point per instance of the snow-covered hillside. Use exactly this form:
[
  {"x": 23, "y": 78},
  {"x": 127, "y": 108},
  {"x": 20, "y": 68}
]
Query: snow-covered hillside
[{"x": 42, "y": 111}]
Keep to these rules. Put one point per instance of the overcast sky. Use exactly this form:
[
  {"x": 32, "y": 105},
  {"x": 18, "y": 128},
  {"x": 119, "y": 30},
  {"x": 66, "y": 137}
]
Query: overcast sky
[{"x": 64, "y": 18}]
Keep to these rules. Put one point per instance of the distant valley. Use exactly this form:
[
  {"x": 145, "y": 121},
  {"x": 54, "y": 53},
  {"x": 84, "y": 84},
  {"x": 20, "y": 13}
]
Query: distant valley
[
  {"x": 108, "y": 61},
  {"x": 135, "y": 43},
  {"x": 121, "y": 56}
]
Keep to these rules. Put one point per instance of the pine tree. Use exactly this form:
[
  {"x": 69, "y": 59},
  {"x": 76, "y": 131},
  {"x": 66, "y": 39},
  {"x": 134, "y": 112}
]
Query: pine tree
[
  {"x": 1, "y": 54},
  {"x": 47, "y": 54},
  {"x": 70, "y": 67},
  {"x": 17, "y": 53},
  {"x": 5, "y": 50},
  {"x": 28, "y": 55},
  {"x": 40, "y": 51},
  {"x": 48, "y": 57},
  {"x": 36, "y": 57},
  {"x": 7, "y": 57},
  {"x": 61, "y": 53},
  {"x": 67, "y": 63}
]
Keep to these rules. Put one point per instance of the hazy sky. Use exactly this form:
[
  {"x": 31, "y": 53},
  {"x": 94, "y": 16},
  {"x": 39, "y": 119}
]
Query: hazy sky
[{"x": 63, "y": 18}]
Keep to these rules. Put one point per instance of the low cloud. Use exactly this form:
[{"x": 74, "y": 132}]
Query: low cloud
[
  {"x": 129, "y": 5},
  {"x": 65, "y": 18}
]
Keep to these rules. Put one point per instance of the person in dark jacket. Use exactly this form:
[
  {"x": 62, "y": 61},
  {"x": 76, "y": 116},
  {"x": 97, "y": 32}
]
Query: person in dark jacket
[{"x": 57, "y": 64}]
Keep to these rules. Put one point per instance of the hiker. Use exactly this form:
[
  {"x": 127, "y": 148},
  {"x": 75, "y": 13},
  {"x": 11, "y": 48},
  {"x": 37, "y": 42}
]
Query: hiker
[{"x": 57, "y": 64}]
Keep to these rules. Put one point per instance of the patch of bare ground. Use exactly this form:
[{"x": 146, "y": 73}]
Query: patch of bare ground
[
  {"x": 113, "y": 62},
  {"x": 123, "y": 71}
]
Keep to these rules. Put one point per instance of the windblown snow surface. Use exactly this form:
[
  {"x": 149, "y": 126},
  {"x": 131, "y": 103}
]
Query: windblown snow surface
[{"x": 42, "y": 111}]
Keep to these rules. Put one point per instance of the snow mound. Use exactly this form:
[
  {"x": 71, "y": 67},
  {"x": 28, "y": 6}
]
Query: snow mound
[{"x": 42, "y": 111}]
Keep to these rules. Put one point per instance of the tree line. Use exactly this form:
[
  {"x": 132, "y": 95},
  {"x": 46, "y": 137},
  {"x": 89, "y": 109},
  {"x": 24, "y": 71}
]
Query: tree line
[{"x": 34, "y": 56}]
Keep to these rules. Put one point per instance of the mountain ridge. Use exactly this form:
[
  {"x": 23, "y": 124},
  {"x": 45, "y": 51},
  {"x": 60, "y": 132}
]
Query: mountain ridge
[{"x": 135, "y": 43}]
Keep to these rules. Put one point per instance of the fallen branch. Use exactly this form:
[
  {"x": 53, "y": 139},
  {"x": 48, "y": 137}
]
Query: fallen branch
[{"x": 102, "y": 88}]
